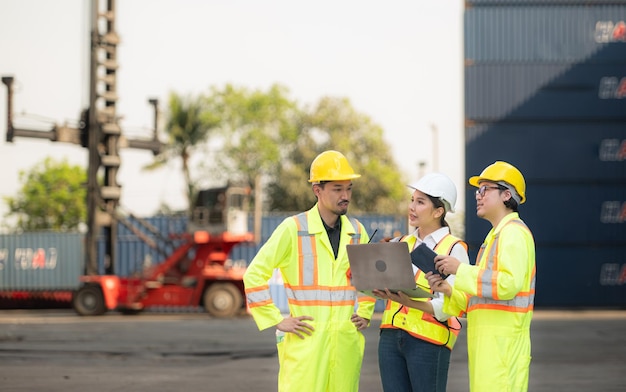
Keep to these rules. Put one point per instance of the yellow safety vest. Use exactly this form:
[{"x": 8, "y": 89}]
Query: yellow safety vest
[
  {"x": 416, "y": 322},
  {"x": 313, "y": 281}
]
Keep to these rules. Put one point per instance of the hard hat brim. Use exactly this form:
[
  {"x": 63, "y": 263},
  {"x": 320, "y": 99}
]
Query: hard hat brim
[
  {"x": 475, "y": 180},
  {"x": 342, "y": 178}
]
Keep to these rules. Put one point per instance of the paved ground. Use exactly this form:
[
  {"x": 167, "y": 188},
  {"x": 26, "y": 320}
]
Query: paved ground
[{"x": 56, "y": 350}]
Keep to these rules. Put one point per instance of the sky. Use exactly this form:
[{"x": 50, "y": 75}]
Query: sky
[{"x": 399, "y": 62}]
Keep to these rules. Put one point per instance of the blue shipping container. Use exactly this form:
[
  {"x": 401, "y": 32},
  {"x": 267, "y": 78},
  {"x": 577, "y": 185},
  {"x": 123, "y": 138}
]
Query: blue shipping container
[
  {"x": 541, "y": 31},
  {"x": 561, "y": 152},
  {"x": 580, "y": 276},
  {"x": 563, "y": 214},
  {"x": 41, "y": 261},
  {"x": 539, "y": 92}
]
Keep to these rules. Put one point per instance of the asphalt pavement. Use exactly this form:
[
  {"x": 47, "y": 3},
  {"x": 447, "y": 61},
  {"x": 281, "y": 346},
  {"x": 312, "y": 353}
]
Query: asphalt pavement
[{"x": 56, "y": 350}]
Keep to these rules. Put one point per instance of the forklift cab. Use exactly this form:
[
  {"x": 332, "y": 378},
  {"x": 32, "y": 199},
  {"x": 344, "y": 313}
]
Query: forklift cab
[{"x": 221, "y": 210}]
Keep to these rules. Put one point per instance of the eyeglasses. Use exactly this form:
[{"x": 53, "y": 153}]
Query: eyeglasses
[{"x": 483, "y": 189}]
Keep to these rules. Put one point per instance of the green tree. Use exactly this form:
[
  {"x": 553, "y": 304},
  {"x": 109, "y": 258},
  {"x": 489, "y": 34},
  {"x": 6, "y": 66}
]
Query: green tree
[
  {"x": 258, "y": 129},
  {"x": 189, "y": 126},
  {"x": 52, "y": 197},
  {"x": 334, "y": 124}
]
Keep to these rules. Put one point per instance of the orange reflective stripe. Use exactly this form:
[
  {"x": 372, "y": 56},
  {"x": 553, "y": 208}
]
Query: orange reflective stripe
[
  {"x": 365, "y": 298},
  {"x": 258, "y": 296}
]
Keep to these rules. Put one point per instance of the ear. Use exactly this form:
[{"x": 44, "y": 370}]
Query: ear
[
  {"x": 316, "y": 190},
  {"x": 507, "y": 195},
  {"x": 439, "y": 211}
]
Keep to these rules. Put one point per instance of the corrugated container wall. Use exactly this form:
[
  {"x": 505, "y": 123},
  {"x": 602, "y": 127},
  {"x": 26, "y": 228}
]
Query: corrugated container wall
[
  {"x": 41, "y": 261},
  {"x": 545, "y": 89}
]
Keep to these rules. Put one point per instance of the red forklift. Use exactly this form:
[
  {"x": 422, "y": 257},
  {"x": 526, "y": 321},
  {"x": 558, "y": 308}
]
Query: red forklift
[{"x": 198, "y": 273}]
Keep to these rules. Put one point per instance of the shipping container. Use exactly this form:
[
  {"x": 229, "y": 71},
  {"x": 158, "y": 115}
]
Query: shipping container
[
  {"x": 540, "y": 92},
  {"x": 581, "y": 276},
  {"x": 545, "y": 89},
  {"x": 133, "y": 253},
  {"x": 545, "y": 32},
  {"x": 564, "y": 213},
  {"x": 510, "y": 3},
  {"x": 578, "y": 152},
  {"x": 41, "y": 261}
]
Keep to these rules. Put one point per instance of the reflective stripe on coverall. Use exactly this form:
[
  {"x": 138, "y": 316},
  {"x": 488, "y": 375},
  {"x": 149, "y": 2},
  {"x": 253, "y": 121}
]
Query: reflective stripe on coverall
[
  {"x": 416, "y": 322},
  {"x": 498, "y": 296},
  {"x": 316, "y": 285}
]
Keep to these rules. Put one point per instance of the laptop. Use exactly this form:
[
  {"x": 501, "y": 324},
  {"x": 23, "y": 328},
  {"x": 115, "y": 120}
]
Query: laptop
[{"x": 383, "y": 265}]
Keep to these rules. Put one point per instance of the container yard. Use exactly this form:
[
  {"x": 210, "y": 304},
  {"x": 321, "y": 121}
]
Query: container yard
[{"x": 545, "y": 89}]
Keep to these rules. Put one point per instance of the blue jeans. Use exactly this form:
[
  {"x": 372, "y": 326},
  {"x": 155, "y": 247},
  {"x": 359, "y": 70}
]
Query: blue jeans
[{"x": 408, "y": 364}]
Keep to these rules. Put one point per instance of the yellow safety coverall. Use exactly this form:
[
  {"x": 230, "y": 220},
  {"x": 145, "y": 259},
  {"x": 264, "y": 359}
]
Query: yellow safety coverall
[
  {"x": 497, "y": 294},
  {"x": 316, "y": 285}
]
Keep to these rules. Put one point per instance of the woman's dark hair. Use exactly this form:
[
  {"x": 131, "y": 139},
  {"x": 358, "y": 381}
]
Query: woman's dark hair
[{"x": 438, "y": 203}]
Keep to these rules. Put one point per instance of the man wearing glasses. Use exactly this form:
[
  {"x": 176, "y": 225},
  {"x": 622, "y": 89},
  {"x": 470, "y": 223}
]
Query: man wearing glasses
[{"x": 497, "y": 294}]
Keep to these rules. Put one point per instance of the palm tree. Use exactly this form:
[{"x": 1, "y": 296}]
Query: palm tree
[{"x": 188, "y": 126}]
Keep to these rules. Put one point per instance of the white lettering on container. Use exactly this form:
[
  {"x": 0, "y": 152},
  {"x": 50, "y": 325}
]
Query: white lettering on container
[
  {"x": 612, "y": 150},
  {"x": 612, "y": 274},
  {"x": 613, "y": 212},
  {"x": 607, "y": 31},
  {"x": 3, "y": 258},
  {"x": 32, "y": 259},
  {"x": 612, "y": 87}
]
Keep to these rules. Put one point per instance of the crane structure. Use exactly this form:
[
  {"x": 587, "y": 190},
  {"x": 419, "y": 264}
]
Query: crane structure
[
  {"x": 99, "y": 132},
  {"x": 196, "y": 272}
]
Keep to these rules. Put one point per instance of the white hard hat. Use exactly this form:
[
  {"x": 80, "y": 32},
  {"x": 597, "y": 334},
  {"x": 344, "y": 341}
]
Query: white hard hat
[{"x": 438, "y": 185}]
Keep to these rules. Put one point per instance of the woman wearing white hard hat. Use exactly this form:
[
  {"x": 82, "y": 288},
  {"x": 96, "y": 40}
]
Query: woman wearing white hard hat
[{"x": 416, "y": 336}]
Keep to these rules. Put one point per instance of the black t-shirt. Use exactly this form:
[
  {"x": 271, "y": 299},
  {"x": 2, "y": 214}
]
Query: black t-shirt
[{"x": 334, "y": 235}]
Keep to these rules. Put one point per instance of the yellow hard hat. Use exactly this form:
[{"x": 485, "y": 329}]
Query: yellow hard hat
[
  {"x": 331, "y": 166},
  {"x": 502, "y": 171}
]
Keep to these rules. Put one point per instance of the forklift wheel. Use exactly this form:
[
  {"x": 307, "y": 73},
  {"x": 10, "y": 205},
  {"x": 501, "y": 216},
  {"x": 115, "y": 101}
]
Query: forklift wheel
[
  {"x": 223, "y": 300},
  {"x": 89, "y": 301}
]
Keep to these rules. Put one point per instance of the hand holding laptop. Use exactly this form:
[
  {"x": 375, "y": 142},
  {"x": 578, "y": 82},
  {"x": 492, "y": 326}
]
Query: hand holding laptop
[{"x": 383, "y": 265}]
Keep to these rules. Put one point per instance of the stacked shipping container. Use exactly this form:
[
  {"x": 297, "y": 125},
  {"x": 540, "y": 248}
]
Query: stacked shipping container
[{"x": 545, "y": 89}]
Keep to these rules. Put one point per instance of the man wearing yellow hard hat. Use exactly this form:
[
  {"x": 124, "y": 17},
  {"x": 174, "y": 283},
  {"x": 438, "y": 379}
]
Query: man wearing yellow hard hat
[
  {"x": 320, "y": 346},
  {"x": 497, "y": 294}
]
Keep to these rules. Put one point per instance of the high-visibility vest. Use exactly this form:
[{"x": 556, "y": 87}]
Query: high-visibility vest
[
  {"x": 416, "y": 322},
  {"x": 307, "y": 289},
  {"x": 487, "y": 295},
  {"x": 315, "y": 282}
]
